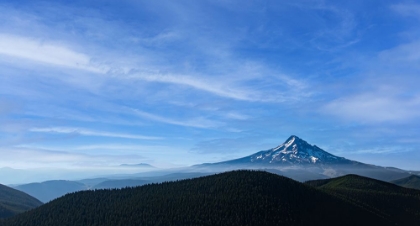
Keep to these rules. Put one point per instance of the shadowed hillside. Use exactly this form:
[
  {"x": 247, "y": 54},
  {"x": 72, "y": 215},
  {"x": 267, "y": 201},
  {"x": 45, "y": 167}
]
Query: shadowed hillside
[
  {"x": 394, "y": 203},
  {"x": 13, "y": 202}
]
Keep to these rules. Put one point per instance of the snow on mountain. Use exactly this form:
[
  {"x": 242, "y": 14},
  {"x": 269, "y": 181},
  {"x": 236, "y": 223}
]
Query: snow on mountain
[
  {"x": 293, "y": 151},
  {"x": 301, "y": 161},
  {"x": 296, "y": 151}
]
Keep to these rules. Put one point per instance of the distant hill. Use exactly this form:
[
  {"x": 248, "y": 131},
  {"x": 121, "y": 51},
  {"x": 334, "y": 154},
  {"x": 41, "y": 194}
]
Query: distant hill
[
  {"x": 412, "y": 181},
  {"x": 140, "y": 165},
  {"x": 415, "y": 173},
  {"x": 394, "y": 203},
  {"x": 91, "y": 182},
  {"x": 298, "y": 159},
  {"x": 49, "y": 190},
  {"x": 231, "y": 198},
  {"x": 13, "y": 202}
]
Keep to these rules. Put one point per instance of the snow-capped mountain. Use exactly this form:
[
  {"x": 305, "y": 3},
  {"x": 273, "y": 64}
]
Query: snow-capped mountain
[
  {"x": 292, "y": 152},
  {"x": 299, "y": 160},
  {"x": 296, "y": 151}
]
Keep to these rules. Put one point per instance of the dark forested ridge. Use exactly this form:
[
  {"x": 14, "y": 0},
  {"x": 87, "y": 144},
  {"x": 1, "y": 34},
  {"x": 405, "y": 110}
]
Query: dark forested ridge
[
  {"x": 13, "y": 202},
  {"x": 394, "y": 203},
  {"x": 412, "y": 181},
  {"x": 232, "y": 198}
]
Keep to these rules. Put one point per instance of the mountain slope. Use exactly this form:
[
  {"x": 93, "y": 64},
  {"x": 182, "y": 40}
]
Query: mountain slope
[
  {"x": 232, "y": 198},
  {"x": 49, "y": 190},
  {"x": 394, "y": 203},
  {"x": 13, "y": 202},
  {"x": 412, "y": 181}
]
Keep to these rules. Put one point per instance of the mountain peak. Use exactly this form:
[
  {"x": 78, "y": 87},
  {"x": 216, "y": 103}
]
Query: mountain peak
[
  {"x": 293, "y": 137},
  {"x": 295, "y": 151}
]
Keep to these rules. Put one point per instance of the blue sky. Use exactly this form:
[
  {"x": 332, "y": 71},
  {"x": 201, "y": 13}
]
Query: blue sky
[{"x": 87, "y": 84}]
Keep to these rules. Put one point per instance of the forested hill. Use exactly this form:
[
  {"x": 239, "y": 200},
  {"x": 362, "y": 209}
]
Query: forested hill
[
  {"x": 13, "y": 202},
  {"x": 232, "y": 198},
  {"x": 412, "y": 181},
  {"x": 394, "y": 203}
]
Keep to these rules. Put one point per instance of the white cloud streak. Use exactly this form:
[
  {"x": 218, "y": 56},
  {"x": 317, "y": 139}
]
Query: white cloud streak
[
  {"x": 385, "y": 150},
  {"x": 86, "y": 132},
  {"x": 236, "y": 116},
  {"x": 120, "y": 147},
  {"x": 44, "y": 52},
  {"x": 407, "y": 54},
  {"x": 236, "y": 85},
  {"x": 220, "y": 89}
]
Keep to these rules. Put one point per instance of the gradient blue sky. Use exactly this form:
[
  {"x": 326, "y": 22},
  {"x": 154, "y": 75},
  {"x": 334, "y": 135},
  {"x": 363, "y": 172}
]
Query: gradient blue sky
[{"x": 177, "y": 83}]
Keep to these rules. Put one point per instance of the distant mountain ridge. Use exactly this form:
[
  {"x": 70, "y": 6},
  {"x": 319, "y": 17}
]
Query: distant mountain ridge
[
  {"x": 48, "y": 190},
  {"x": 139, "y": 165}
]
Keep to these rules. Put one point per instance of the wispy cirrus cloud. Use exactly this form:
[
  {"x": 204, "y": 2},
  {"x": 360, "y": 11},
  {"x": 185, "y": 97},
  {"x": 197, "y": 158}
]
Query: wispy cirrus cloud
[
  {"x": 375, "y": 107},
  {"x": 42, "y": 51},
  {"x": 236, "y": 116},
  {"x": 208, "y": 85},
  {"x": 385, "y": 90},
  {"x": 407, "y": 9},
  {"x": 232, "y": 82},
  {"x": 48, "y": 53},
  {"x": 44, "y": 158},
  {"x": 87, "y": 132},
  {"x": 199, "y": 122},
  {"x": 380, "y": 150},
  {"x": 405, "y": 56},
  {"x": 121, "y": 147},
  {"x": 265, "y": 85}
]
